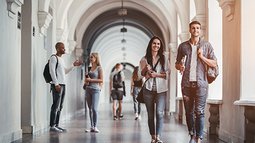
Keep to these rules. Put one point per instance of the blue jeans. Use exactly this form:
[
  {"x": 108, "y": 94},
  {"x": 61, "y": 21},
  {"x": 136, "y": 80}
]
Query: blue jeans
[
  {"x": 151, "y": 98},
  {"x": 57, "y": 104},
  {"x": 92, "y": 98},
  {"x": 137, "y": 105},
  {"x": 194, "y": 99}
]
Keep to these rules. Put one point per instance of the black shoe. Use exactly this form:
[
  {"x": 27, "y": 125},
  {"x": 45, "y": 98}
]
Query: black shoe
[
  {"x": 64, "y": 130},
  {"x": 115, "y": 118}
]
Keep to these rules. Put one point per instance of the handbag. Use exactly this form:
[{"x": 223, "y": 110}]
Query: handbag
[
  {"x": 84, "y": 86},
  {"x": 140, "y": 97},
  {"x": 212, "y": 73}
]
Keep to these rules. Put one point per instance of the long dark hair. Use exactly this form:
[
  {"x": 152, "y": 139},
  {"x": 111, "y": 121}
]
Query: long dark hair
[{"x": 148, "y": 55}]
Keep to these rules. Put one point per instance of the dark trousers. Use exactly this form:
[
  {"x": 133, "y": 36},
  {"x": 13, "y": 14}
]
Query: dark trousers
[{"x": 57, "y": 105}]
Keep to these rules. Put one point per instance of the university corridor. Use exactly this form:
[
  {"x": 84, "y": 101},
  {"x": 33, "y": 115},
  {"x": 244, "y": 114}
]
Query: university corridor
[
  {"x": 126, "y": 130},
  {"x": 119, "y": 31}
]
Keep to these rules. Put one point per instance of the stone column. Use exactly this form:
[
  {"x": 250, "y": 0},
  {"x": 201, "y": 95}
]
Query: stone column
[
  {"x": 214, "y": 118},
  {"x": 184, "y": 36}
]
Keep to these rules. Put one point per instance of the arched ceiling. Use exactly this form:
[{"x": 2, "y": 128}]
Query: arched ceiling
[
  {"x": 103, "y": 35},
  {"x": 94, "y": 25}
]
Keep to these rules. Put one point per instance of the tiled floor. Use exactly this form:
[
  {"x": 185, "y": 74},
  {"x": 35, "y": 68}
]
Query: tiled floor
[{"x": 126, "y": 130}]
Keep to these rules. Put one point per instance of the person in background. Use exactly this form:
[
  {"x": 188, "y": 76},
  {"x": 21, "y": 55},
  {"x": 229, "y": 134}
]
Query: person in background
[
  {"x": 93, "y": 80},
  {"x": 154, "y": 66},
  {"x": 117, "y": 90},
  {"x": 192, "y": 58},
  {"x": 58, "y": 85},
  {"x": 136, "y": 85}
]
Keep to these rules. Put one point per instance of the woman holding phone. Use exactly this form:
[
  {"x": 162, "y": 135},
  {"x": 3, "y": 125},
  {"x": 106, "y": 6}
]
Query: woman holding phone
[{"x": 93, "y": 81}]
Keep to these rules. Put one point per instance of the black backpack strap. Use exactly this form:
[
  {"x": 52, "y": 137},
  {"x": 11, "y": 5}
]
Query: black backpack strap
[{"x": 154, "y": 68}]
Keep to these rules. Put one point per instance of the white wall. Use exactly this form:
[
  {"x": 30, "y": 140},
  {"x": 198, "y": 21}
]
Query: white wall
[
  {"x": 10, "y": 76},
  {"x": 215, "y": 38},
  {"x": 36, "y": 96},
  {"x": 247, "y": 50}
]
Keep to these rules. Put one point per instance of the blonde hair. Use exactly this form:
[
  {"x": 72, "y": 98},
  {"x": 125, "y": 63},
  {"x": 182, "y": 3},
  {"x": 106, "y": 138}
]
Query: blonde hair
[{"x": 96, "y": 55}]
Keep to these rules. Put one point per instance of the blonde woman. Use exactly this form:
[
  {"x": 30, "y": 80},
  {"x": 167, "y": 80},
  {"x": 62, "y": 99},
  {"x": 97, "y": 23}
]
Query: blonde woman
[{"x": 93, "y": 80}]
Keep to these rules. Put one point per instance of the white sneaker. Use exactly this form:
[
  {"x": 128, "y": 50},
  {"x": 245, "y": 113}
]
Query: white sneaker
[
  {"x": 139, "y": 117},
  {"x": 90, "y": 130},
  {"x": 136, "y": 116},
  {"x": 96, "y": 130}
]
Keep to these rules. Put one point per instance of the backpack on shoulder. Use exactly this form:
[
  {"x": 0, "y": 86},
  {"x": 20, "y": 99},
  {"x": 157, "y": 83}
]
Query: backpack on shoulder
[
  {"x": 117, "y": 81},
  {"x": 212, "y": 73},
  {"x": 46, "y": 71}
]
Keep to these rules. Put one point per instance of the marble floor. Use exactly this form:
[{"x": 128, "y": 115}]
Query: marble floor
[{"x": 126, "y": 130}]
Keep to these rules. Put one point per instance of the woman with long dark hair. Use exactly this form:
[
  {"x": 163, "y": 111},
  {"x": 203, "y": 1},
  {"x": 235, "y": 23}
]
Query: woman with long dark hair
[{"x": 154, "y": 67}]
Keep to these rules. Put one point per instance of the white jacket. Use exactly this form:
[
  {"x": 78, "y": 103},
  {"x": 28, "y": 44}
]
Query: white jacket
[{"x": 161, "y": 83}]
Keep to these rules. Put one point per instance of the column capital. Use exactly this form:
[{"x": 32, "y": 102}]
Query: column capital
[
  {"x": 44, "y": 19},
  {"x": 228, "y": 8},
  {"x": 12, "y": 6}
]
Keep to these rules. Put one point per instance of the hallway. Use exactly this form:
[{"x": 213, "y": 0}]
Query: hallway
[{"x": 126, "y": 130}]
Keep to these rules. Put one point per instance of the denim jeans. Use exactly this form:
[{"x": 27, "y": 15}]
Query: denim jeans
[
  {"x": 194, "y": 103},
  {"x": 151, "y": 98},
  {"x": 137, "y": 105},
  {"x": 57, "y": 104},
  {"x": 92, "y": 98}
]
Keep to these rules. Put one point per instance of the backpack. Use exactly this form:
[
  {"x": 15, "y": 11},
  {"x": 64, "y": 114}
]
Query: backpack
[
  {"x": 212, "y": 73},
  {"x": 117, "y": 81},
  {"x": 46, "y": 71}
]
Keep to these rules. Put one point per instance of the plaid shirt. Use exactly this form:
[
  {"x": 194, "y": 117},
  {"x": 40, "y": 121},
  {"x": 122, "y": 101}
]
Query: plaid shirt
[{"x": 185, "y": 49}]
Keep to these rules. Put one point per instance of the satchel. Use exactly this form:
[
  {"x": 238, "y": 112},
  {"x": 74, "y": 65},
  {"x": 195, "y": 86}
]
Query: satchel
[
  {"x": 84, "y": 86},
  {"x": 212, "y": 73},
  {"x": 139, "y": 97}
]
